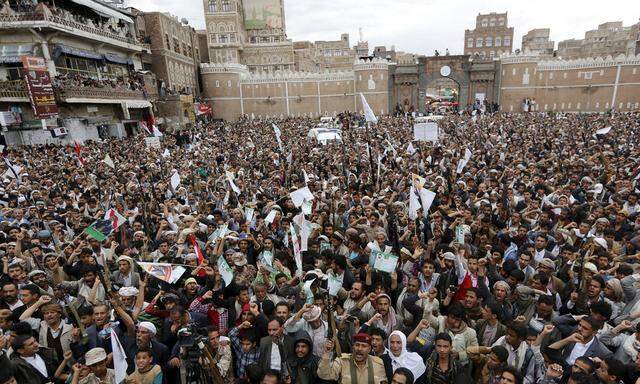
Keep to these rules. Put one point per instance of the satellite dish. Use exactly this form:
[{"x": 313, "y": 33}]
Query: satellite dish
[{"x": 445, "y": 70}]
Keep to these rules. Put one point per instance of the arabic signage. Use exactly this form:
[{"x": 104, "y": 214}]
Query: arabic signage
[{"x": 39, "y": 87}]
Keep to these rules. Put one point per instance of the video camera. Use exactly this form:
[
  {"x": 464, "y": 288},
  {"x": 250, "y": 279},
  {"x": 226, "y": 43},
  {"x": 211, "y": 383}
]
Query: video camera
[{"x": 192, "y": 343}]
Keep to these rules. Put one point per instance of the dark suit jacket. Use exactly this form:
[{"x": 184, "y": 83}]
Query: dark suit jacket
[
  {"x": 25, "y": 373},
  {"x": 286, "y": 350},
  {"x": 596, "y": 349}
]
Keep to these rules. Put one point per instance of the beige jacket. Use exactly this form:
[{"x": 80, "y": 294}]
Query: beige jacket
[{"x": 340, "y": 370}]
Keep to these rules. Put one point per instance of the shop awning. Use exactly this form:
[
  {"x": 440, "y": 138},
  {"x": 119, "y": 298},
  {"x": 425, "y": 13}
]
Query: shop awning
[
  {"x": 12, "y": 53},
  {"x": 103, "y": 10},
  {"x": 117, "y": 59},
  {"x": 76, "y": 52},
  {"x": 137, "y": 104}
]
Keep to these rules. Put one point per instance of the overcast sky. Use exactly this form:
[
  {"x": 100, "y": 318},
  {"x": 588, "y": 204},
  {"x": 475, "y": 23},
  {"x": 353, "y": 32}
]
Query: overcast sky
[{"x": 421, "y": 26}]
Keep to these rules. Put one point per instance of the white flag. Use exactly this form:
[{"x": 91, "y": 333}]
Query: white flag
[
  {"x": 306, "y": 177},
  {"x": 368, "y": 113},
  {"x": 166, "y": 153},
  {"x": 175, "y": 181},
  {"x": 410, "y": 149},
  {"x": 107, "y": 160},
  {"x": 426, "y": 199},
  {"x": 119, "y": 358},
  {"x": 230, "y": 177},
  {"x": 467, "y": 154},
  {"x": 156, "y": 131},
  {"x": 297, "y": 254},
  {"x": 461, "y": 165},
  {"x": 603, "y": 131},
  {"x": 414, "y": 204},
  {"x": 278, "y": 133}
]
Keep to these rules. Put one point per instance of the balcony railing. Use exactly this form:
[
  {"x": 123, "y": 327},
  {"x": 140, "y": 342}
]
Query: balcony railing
[
  {"x": 13, "y": 88},
  {"x": 39, "y": 16},
  {"x": 18, "y": 89},
  {"x": 67, "y": 92}
]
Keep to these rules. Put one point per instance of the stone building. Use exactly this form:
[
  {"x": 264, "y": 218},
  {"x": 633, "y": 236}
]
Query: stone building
[
  {"x": 336, "y": 54},
  {"x": 581, "y": 85},
  {"x": 92, "y": 55},
  {"x": 249, "y": 32},
  {"x": 491, "y": 37},
  {"x": 611, "y": 38},
  {"x": 234, "y": 91},
  {"x": 537, "y": 41},
  {"x": 175, "y": 52}
]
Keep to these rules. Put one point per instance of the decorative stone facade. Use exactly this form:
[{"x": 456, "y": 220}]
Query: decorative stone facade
[{"x": 492, "y": 36}]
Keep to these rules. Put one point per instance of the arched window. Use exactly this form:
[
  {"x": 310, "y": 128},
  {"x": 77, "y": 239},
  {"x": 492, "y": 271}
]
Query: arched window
[
  {"x": 222, "y": 28},
  {"x": 226, "y": 6},
  {"x": 213, "y": 6},
  {"x": 492, "y": 22},
  {"x": 489, "y": 42},
  {"x": 498, "y": 42},
  {"x": 507, "y": 41},
  {"x": 479, "y": 42}
]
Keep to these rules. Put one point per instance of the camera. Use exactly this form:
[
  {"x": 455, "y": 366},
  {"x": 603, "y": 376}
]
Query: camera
[{"x": 192, "y": 343}]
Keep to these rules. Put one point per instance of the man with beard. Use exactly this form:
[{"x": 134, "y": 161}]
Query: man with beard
[
  {"x": 10, "y": 296},
  {"x": 303, "y": 366},
  {"x": 358, "y": 363},
  {"x": 39, "y": 278},
  {"x": 145, "y": 340},
  {"x": 356, "y": 296},
  {"x": 125, "y": 276}
]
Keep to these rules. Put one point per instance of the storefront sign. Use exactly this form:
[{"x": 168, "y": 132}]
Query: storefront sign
[{"x": 39, "y": 87}]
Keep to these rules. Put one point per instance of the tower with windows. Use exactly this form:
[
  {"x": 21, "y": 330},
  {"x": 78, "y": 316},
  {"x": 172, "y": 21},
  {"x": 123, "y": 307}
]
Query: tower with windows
[{"x": 225, "y": 35}]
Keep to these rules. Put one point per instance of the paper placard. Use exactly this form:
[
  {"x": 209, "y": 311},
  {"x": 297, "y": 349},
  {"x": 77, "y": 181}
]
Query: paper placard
[
  {"x": 460, "y": 234},
  {"x": 425, "y": 131},
  {"x": 307, "y": 207},
  {"x": 385, "y": 262},
  {"x": 300, "y": 196},
  {"x": 225, "y": 271},
  {"x": 219, "y": 232},
  {"x": 152, "y": 142},
  {"x": 267, "y": 258},
  {"x": 334, "y": 285},
  {"x": 248, "y": 214}
]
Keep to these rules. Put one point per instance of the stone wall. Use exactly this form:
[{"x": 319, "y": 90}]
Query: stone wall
[
  {"x": 583, "y": 85},
  {"x": 233, "y": 91}
]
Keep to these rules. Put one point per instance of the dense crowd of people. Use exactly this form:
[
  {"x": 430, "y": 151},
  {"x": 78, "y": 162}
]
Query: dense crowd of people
[
  {"x": 506, "y": 252},
  {"x": 130, "y": 83}
]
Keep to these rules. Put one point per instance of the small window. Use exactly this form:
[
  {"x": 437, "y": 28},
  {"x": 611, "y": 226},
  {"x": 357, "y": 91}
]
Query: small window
[
  {"x": 470, "y": 45},
  {"x": 485, "y": 22},
  {"x": 489, "y": 42},
  {"x": 498, "y": 42},
  {"x": 479, "y": 42},
  {"x": 213, "y": 6},
  {"x": 507, "y": 41},
  {"x": 550, "y": 75}
]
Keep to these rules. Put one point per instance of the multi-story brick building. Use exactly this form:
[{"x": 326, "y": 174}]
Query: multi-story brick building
[
  {"x": 581, "y": 85},
  {"x": 90, "y": 57},
  {"x": 255, "y": 70},
  {"x": 249, "y": 32},
  {"x": 537, "y": 41},
  {"x": 175, "y": 52},
  {"x": 491, "y": 37},
  {"x": 609, "y": 39}
]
